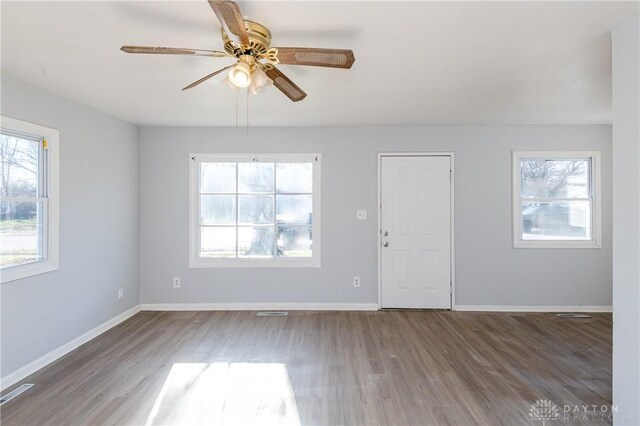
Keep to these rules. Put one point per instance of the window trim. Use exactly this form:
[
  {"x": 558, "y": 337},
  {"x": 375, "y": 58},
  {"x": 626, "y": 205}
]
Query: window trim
[
  {"x": 195, "y": 261},
  {"x": 596, "y": 209},
  {"x": 52, "y": 249}
]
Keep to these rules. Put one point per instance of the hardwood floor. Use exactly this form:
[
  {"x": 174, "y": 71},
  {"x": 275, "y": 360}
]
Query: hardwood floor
[{"x": 373, "y": 368}]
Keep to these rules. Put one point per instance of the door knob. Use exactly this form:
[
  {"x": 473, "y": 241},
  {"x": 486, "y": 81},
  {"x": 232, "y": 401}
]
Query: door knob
[{"x": 385, "y": 244}]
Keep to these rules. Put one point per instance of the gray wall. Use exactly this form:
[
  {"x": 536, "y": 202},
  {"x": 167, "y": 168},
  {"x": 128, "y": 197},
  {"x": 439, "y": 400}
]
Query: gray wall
[
  {"x": 98, "y": 229},
  {"x": 626, "y": 230},
  {"x": 488, "y": 270}
]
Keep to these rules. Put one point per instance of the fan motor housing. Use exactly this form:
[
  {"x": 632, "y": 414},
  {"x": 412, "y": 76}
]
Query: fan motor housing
[{"x": 259, "y": 38}]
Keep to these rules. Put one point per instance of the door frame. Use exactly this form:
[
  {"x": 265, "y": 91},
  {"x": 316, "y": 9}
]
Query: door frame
[{"x": 381, "y": 155}]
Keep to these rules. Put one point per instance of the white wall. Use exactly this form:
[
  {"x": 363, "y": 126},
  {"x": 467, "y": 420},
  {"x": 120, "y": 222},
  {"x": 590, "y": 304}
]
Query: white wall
[
  {"x": 626, "y": 229},
  {"x": 488, "y": 270},
  {"x": 98, "y": 229}
]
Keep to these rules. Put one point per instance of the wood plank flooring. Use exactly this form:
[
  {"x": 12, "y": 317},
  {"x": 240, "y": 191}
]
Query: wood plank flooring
[{"x": 325, "y": 368}]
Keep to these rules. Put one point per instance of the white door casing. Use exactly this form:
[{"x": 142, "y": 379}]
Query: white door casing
[{"x": 415, "y": 209}]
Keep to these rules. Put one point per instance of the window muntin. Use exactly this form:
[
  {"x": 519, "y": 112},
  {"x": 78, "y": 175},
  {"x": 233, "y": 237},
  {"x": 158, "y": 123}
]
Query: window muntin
[
  {"x": 28, "y": 204},
  {"x": 259, "y": 210},
  {"x": 555, "y": 199}
]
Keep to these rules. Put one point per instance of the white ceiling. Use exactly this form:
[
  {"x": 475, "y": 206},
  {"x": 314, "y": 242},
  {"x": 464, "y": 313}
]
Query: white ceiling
[{"x": 417, "y": 63}]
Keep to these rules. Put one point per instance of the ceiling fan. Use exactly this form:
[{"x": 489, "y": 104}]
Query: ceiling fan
[{"x": 250, "y": 43}]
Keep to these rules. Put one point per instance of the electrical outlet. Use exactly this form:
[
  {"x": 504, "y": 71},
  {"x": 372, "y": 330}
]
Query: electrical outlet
[
  {"x": 176, "y": 282},
  {"x": 120, "y": 293},
  {"x": 361, "y": 215},
  {"x": 356, "y": 281}
]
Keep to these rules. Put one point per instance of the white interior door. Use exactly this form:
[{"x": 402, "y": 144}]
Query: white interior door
[{"x": 416, "y": 232}]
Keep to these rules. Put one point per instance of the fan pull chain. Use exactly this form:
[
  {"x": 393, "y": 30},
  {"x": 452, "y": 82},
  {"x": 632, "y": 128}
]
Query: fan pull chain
[
  {"x": 247, "y": 112},
  {"x": 236, "y": 109}
]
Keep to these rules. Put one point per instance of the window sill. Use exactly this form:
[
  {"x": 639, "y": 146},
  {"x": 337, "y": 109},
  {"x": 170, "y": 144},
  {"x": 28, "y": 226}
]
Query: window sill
[
  {"x": 557, "y": 244},
  {"x": 253, "y": 263},
  {"x": 24, "y": 271}
]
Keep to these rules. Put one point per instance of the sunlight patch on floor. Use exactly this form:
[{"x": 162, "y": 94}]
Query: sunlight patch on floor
[{"x": 226, "y": 393}]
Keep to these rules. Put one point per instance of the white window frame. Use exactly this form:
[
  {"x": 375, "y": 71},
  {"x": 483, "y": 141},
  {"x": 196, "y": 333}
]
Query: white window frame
[
  {"x": 596, "y": 210},
  {"x": 50, "y": 262},
  {"x": 195, "y": 261}
]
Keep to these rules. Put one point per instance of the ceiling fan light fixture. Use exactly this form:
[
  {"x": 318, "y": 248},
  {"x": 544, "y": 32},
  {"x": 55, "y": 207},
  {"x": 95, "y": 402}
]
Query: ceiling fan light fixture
[
  {"x": 240, "y": 75},
  {"x": 227, "y": 82},
  {"x": 259, "y": 82}
]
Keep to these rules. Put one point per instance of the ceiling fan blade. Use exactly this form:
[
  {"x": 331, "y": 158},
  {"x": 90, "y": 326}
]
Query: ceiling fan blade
[
  {"x": 207, "y": 77},
  {"x": 230, "y": 17},
  {"x": 172, "y": 51},
  {"x": 286, "y": 86},
  {"x": 333, "y": 58}
]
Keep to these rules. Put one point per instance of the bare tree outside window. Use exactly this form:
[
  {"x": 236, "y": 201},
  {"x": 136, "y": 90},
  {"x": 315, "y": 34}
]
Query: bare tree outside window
[
  {"x": 19, "y": 208},
  {"x": 555, "y": 196},
  {"x": 553, "y": 178},
  {"x": 256, "y": 210}
]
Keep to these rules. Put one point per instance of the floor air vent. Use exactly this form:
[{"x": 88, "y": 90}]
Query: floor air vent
[
  {"x": 272, "y": 314},
  {"x": 17, "y": 391},
  {"x": 573, "y": 315}
]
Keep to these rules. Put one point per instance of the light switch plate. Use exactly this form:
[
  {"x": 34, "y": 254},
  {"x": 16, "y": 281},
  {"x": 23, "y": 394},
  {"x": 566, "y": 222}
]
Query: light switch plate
[{"x": 361, "y": 215}]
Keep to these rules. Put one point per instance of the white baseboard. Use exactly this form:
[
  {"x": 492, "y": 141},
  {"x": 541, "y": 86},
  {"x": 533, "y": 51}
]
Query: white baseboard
[
  {"x": 259, "y": 307},
  {"x": 504, "y": 308},
  {"x": 16, "y": 376}
]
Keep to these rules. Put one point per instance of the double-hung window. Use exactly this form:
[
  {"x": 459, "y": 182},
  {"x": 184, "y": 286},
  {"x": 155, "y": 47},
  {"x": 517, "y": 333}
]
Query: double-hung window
[
  {"x": 556, "y": 200},
  {"x": 255, "y": 210},
  {"x": 29, "y": 199}
]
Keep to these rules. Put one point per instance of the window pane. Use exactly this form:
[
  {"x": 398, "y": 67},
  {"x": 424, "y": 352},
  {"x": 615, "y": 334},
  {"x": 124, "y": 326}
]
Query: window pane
[
  {"x": 19, "y": 159},
  {"x": 255, "y": 241},
  {"x": 294, "y": 209},
  {"x": 21, "y": 232},
  {"x": 294, "y": 241},
  {"x": 255, "y": 209},
  {"x": 218, "y": 177},
  {"x": 255, "y": 177},
  {"x": 218, "y": 242},
  {"x": 555, "y": 178},
  {"x": 557, "y": 220},
  {"x": 294, "y": 177},
  {"x": 218, "y": 209}
]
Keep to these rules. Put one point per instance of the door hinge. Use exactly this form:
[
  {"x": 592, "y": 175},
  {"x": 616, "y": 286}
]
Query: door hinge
[{"x": 450, "y": 175}]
